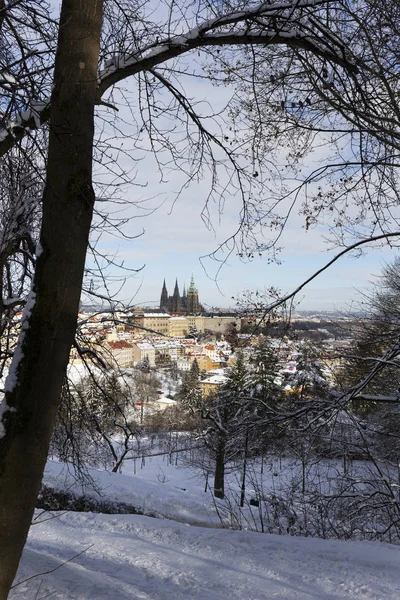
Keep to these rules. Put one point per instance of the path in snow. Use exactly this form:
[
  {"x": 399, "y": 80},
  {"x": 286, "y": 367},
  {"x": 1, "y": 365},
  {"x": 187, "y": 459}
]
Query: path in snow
[{"x": 135, "y": 557}]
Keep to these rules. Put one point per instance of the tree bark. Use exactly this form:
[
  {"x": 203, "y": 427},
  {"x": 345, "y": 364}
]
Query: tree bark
[
  {"x": 219, "y": 473},
  {"x": 45, "y": 343}
]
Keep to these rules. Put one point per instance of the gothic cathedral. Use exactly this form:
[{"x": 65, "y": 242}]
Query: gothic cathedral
[{"x": 188, "y": 303}]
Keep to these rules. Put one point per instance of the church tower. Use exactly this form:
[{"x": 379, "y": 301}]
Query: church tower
[
  {"x": 164, "y": 298},
  {"x": 192, "y": 302}
]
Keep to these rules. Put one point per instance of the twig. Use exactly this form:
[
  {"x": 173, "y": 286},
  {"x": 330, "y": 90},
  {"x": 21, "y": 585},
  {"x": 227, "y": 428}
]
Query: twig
[{"x": 51, "y": 570}]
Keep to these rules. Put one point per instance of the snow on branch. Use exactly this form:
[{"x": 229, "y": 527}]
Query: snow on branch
[
  {"x": 297, "y": 32},
  {"x": 30, "y": 119},
  {"x": 371, "y": 398},
  {"x": 290, "y": 23},
  {"x": 12, "y": 377}
]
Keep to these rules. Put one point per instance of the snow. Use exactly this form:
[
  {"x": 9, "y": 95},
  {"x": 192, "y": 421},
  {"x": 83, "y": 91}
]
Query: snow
[
  {"x": 156, "y": 489},
  {"x": 136, "y": 557},
  {"x": 7, "y": 78},
  {"x": 33, "y": 112},
  {"x": 11, "y": 380},
  {"x": 125, "y": 557}
]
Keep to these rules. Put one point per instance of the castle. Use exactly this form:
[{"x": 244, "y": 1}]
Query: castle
[{"x": 188, "y": 303}]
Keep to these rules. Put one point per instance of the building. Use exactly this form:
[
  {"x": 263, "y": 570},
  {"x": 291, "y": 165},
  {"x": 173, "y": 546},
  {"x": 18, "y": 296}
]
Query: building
[
  {"x": 212, "y": 384},
  {"x": 187, "y": 303},
  {"x": 119, "y": 353},
  {"x": 149, "y": 323},
  {"x": 178, "y": 327},
  {"x": 221, "y": 324},
  {"x": 144, "y": 350}
]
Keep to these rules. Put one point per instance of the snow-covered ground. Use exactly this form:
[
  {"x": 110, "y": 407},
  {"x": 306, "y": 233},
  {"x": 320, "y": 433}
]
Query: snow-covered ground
[
  {"x": 138, "y": 557},
  {"x": 134, "y": 557}
]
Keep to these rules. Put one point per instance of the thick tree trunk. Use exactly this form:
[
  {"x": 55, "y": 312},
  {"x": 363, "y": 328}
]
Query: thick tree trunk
[
  {"x": 44, "y": 346},
  {"x": 219, "y": 473}
]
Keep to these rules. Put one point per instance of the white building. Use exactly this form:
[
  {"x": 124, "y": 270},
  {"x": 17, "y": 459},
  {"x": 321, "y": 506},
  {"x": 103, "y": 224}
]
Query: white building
[
  {"x": 141, "y": 350},
  {"x": 183, "y": 363}
]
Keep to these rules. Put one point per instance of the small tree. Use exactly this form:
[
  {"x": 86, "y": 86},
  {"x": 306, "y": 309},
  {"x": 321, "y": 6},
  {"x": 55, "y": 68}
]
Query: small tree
[
  {"x": 227, "y": 413},
  {"x": 189, "y": 393},
  {"x": 309, "y": 379},
  {"x": 145, "y": 365},
  {"x": 146, "y": 386},
  {"x": 95, "y": 422},
  {"x": 267, "y": 393}
]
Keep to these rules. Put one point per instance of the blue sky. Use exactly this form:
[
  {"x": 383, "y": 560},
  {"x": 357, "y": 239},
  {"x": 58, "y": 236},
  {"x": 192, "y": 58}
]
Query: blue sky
[{"x": 175, "y": 239}]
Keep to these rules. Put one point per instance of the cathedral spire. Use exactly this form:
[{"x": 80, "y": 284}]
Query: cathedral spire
[
  {"x": 184, "y": 298},
  {"x": 176, "y": 304},
  {"x": 164, "y": 297},
  {"x": 176, "y": 290}
]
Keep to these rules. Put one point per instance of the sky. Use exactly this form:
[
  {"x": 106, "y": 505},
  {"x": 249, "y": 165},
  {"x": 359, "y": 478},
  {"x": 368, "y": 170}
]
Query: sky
[{"x": 176, "y": 243}]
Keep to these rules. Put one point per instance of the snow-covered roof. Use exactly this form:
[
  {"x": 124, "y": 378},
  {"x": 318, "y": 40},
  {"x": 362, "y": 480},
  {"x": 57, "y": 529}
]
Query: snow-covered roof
[
  {"x": 215, "y": 380},
  {"x": 144, "y": 346}
]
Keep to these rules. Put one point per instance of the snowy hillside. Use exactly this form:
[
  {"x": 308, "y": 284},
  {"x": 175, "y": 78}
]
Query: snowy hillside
[
  {"x": 121, "y": 557},
  {"x": 133, "y": 557}
]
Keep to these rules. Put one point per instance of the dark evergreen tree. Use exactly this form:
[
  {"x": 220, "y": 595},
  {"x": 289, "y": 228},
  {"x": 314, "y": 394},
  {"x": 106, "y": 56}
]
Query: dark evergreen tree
[
  {"x": 189, "y": 393},
  {"x": 145, "y": 365}
]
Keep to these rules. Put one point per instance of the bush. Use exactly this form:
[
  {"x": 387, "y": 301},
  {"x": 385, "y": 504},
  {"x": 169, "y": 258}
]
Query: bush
[{"x": 51, "y": 499}]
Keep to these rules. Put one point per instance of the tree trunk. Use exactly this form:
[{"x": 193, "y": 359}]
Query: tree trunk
[
  {"x": 32, "y": 397},
  {"x": 219, "y": 473}
]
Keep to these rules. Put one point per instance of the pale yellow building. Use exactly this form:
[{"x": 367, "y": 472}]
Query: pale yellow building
[
  {"x": 211, "y": 385},
  {"x": 119, "y": 353},
  {"x": 220, "y": 324},
  {"x": 144, "y": 350},
  {"x": 196, "y": 321},
  {"x": 150, "y": 323},
  {"x": 178, "y": 326}
]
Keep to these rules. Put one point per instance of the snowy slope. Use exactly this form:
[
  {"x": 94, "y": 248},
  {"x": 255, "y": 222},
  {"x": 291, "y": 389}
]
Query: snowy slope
[
  {"x": 135, "y": 557},
  {"x": 156, "y": 489}
]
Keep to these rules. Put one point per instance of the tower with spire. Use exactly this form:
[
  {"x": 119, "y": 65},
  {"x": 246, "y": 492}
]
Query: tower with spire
[
  {"x": 164, "y": 297},
  {"x": 188, "y": 303},
  {"x": 184, "y": 298},
  {"x": 176, "y": 299},
  {"x": 192, "y": 301}
]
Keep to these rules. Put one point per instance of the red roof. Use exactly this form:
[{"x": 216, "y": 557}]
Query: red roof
[{"x": 119, "y": 345}]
